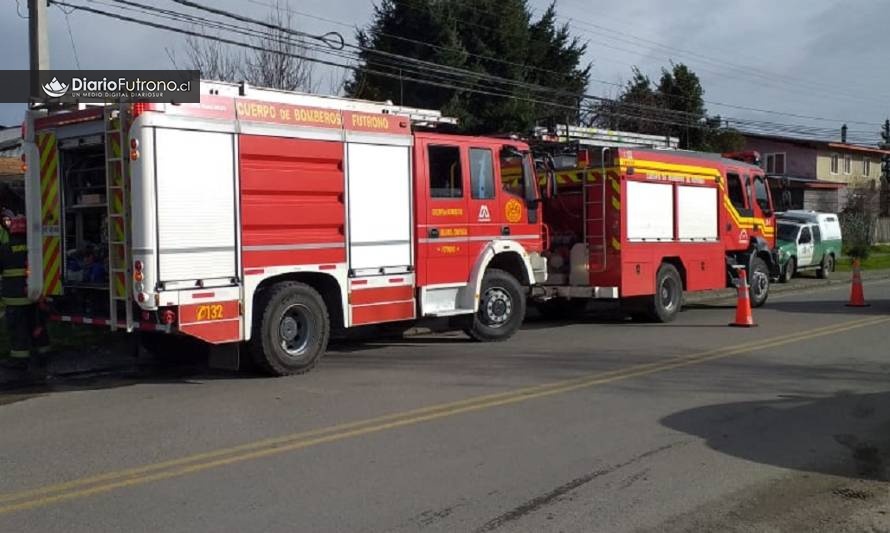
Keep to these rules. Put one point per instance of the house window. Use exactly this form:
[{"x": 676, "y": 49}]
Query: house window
[
  {"x": 835, "y": 163},
  {"x": 775, "y": 164},
  {"x": 866, "y": 167},
  {"x": 848, "y": 164}
]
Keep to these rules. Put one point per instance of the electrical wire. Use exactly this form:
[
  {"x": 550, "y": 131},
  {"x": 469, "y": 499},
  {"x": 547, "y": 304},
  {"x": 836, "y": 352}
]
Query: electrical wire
[{"x": 422, "y": 71}]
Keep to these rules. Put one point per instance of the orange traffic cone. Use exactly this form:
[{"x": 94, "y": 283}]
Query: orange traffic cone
[
  {"x": 743, "y": 316},
  {"x": 857, "y": 297}
]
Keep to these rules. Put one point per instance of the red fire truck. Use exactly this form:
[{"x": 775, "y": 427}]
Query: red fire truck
[
  {"x": 642, "y": 225},
  {"x": 265, "y": 218}
]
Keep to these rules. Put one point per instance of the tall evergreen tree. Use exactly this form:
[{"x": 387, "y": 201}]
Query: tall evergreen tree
[
  {"x": 674, "y": 106},
  {"x": 488, "y": 37}
]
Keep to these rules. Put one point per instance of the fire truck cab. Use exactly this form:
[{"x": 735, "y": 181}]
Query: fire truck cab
[
  {"x": 264, "y": 219},
  {"x": 640, "y": 226}
]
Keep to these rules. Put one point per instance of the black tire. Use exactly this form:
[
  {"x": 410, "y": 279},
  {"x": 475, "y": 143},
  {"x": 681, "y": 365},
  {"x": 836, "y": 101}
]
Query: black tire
[
  {"x": 667, "y": 301},
  {"x": 827, "y": 267},
  {"x": 790, "y": 270},
  {"x": 562, "y": 308},
  {"x": 501, "y": 308},
  {"x": 291, "y": 329},
  {"x": 758, "y": 282}
]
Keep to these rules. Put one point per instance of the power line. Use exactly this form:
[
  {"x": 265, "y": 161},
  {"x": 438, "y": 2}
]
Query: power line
[
  {"x": 768, "y": 80},
  {"x": 722, "y": 104},
  {"x": 451, "y": 84}
]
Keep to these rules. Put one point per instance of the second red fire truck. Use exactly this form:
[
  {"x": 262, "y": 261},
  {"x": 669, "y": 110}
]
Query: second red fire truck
[{"x": 640, "y": 226}]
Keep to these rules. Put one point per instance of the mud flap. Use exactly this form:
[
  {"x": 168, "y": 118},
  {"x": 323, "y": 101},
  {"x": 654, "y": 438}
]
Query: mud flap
[{"x": 225, "y": 356}]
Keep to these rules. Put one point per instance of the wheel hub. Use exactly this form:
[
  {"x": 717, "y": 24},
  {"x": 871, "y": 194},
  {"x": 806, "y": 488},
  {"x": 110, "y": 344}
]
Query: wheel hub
[
  {"x": 294, "y": 330},
  {"x": 498, "y": 306},
  {"x": 289, "y": 329},
  {"x": 667, "y": 294}
]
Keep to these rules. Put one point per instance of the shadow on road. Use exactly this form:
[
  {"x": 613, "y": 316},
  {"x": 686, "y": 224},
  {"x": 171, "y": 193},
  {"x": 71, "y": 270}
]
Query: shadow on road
[
  {"x": 830, "y": 307},
  {"x": 843, "y": 434}
]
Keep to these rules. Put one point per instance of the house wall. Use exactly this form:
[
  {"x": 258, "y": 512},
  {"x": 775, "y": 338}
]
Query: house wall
[
  {"x": 823, "y": 167},
  {"x": 800, "y": 161}
]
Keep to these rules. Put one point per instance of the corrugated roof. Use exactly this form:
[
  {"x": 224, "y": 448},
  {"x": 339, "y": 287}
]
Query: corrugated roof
[{"x": 817, "y": 143}]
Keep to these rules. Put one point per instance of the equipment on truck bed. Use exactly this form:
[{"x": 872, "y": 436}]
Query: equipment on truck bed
[{"x": 270, "y": 218}]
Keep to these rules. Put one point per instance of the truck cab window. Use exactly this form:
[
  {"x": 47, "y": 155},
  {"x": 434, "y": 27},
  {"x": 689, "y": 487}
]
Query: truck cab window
[
  {"x": 512, "y": 174},
  {"x": 446, "y": 178},
  {"x": 805, "y": 236},
  {"x": 736, "y": 191},
  {"x": 817, "y": 234},
  {"x": 481, "y": 174},
  {"x": 761, "y": 193}
]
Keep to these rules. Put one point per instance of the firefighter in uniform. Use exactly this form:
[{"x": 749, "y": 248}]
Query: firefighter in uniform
[{"x": 25, "y": 325}]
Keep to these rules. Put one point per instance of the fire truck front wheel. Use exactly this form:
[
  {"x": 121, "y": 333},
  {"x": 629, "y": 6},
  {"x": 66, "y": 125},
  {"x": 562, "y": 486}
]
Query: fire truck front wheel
[
  {"x": 291, "y": 331},
  {"x": 501, "y": 308},
  {"x": 758, "y": 282}
]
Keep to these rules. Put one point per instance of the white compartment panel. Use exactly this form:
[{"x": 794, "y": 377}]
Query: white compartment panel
[
  {"x": 697, "y": 217},
  {"x": 650, "y": 211}
]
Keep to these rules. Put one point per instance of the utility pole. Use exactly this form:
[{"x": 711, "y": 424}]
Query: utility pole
[
  {"x": 885, "y": 169},
  {"x": 38, "y": 42}
]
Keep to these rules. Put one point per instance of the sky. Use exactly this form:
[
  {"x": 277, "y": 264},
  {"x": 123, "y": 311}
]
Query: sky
[{"x": 813, "y": 58}]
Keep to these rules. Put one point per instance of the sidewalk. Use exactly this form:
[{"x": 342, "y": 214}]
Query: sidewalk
[
  {"x": 805, "y": 283},
  {"x": 114, "y": 354}
]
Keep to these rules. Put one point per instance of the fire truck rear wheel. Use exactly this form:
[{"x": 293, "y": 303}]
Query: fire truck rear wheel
[
  {"x": 501, "y": 308},
  {"x": 668, "y": 298},
  {"x": 758, "y": 282},
  {"x": 291, "y": 330}
]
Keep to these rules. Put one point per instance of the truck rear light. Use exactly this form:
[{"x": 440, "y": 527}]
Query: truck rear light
[
  {"x": 138, "y": 108},
  {"x": 24, "y": 163},
  {"x": 138, "y": 276},
  {"x": 138, "y": 266},
  {"x": 140, "y": 297},
  {"x": 169, "y": 317}
]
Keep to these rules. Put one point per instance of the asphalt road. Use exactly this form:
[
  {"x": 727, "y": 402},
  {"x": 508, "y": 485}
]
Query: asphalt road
[{"x": 600, "y": 425}]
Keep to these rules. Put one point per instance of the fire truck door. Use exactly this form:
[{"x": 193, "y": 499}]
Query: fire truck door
[
  {"x": 484, "y": 212},
  {"x": 519, "y": 216},
  {"x": 444, "y": 235}
]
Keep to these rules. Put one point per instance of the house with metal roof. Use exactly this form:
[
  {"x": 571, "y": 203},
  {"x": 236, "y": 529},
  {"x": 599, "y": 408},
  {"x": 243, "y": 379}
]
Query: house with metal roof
[{"x": 815, "y": 174}]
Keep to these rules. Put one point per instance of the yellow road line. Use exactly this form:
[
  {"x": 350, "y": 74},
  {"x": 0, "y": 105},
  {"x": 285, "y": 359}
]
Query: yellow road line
[{"x": 110, "y": 481}]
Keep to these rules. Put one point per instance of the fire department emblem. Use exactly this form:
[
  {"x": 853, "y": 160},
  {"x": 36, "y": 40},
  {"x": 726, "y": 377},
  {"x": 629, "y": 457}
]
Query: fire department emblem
[
  {"x": 484, "y": 214},
  {"x": 513, "y": 211},
  {"x": 743, "y": 236}
]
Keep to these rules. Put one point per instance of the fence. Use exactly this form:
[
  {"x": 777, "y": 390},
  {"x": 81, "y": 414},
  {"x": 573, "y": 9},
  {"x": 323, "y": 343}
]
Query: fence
[{"x": 882, "y": 230}]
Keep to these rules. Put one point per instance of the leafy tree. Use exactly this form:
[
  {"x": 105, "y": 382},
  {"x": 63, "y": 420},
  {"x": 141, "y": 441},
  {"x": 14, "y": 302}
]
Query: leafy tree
[{"x": 486, "y": 37}]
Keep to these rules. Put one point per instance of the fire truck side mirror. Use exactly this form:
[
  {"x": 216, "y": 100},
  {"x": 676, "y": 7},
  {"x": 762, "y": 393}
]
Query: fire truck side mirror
[{"x": 550, "y": 185}]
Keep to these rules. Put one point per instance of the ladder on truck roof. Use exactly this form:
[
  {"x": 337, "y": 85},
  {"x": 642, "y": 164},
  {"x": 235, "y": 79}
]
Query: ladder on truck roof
[
  {"x": 418, "y": 116},
  {"x": 117, "y": 182},
  {"x": 599, "y": 137}
]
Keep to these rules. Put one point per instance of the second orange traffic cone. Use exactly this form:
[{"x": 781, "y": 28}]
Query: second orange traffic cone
[
  {"x": 857, "y": 297},
  {"x": 743, "y": 316}
]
